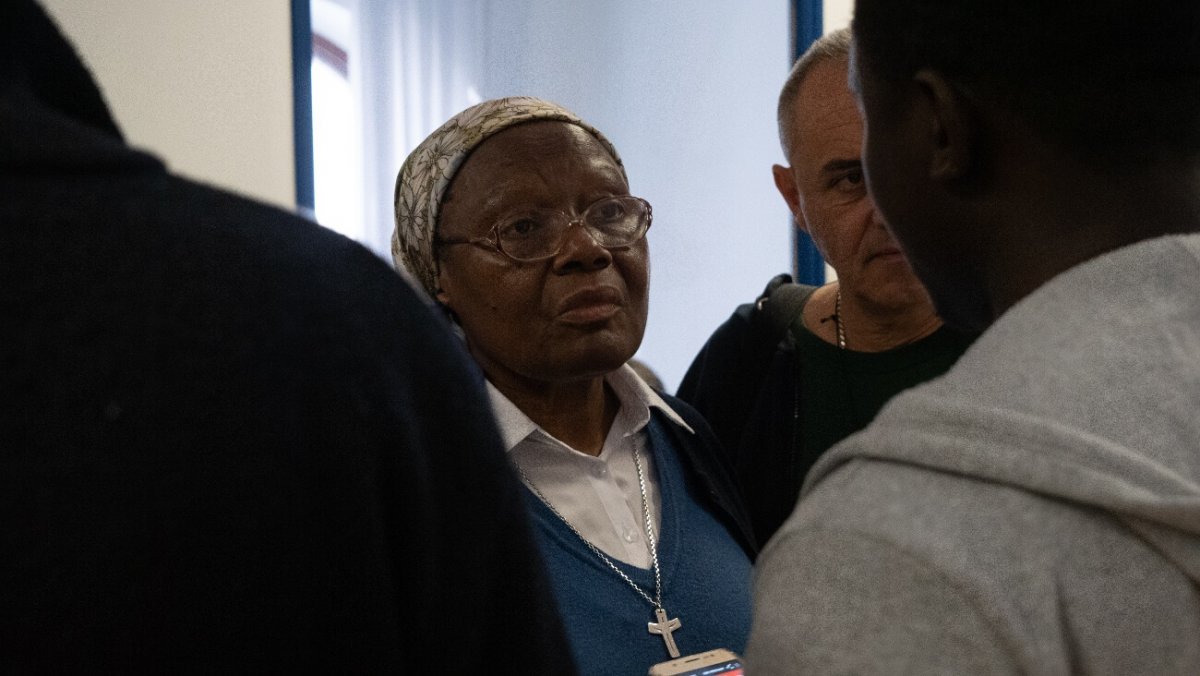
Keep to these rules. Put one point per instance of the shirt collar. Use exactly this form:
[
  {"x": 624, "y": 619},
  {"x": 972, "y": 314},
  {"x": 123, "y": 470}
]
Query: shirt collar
[{"x": 636, "y": 397}]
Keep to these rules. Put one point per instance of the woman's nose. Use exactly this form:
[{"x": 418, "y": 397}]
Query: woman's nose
[{"x": 581, "y": 250}]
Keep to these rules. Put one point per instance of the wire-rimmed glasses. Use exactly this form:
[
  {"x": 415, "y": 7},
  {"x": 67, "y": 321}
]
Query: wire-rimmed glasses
[{"x": 538, "y": 234}]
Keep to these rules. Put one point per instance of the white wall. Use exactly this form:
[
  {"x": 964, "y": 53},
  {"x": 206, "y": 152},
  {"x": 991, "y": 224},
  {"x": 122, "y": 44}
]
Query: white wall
[
  {"x": 687, "y": 94},
  {"x": 686, "y": 91},
  {"x": 205, "y": 85},
  {"x": 837, "y": 14}
]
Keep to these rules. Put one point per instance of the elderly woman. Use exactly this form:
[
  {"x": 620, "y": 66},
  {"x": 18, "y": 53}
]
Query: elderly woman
[{"x": 516, "y": 217}]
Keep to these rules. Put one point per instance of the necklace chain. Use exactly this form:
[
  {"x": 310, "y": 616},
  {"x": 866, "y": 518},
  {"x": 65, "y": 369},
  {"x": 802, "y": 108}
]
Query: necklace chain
[
  {"x": 837, "y": 320},
  {"x": 656, "y": 602}
]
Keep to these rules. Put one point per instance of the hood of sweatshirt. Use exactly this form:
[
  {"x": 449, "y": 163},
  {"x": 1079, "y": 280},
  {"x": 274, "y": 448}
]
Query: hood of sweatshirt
[
  {"x": 52, "y": 114},
  {"x": 1087, "y": 391}
]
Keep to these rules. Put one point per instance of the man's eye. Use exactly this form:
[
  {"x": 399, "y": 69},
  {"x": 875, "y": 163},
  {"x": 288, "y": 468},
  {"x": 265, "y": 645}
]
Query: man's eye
[{"x": 851, "y": 180}]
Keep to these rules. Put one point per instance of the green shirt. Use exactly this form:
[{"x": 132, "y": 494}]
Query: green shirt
[{"x": 842, "y": 390}]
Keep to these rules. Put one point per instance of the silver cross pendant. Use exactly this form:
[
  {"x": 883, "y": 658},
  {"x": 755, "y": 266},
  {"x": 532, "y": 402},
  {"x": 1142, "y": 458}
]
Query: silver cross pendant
[{"x": 664, "y": 627}]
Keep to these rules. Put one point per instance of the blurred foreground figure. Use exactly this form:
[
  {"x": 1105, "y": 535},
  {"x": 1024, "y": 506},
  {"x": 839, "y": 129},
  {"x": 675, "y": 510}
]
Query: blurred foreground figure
[
  {"x": 1037, "y": 509},
  {"x": 225, "y": 444}
]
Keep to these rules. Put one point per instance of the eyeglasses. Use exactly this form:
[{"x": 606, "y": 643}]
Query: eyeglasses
[{"x": 534, "y": 235}]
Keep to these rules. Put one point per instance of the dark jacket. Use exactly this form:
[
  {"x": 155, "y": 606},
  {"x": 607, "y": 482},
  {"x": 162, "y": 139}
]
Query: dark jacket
[
  {"x": 777, "y": 398},
  {"x": 743, "y": 382},
  {"x": 230, "y": 440},
  {"x": 713, "y": 477}
]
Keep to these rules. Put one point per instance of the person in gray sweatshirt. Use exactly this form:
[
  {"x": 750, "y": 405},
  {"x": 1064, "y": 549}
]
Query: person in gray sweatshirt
[{"x": 1037, "y": 509}]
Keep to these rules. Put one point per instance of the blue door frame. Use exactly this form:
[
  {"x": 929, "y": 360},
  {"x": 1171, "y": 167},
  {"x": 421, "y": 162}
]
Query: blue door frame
[
  {"x": 807, "y": 26},
  {"x": 302, "y": 129}
]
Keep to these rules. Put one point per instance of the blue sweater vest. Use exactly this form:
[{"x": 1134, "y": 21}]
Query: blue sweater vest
[{"x": 706, "y": 581}]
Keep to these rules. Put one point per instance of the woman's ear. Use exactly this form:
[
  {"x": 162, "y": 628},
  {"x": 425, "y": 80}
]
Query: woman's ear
[
  {"x": 952, "y": 127},
  {"x": 440, "y": 294},
  {"x": 443, "y": 302}
]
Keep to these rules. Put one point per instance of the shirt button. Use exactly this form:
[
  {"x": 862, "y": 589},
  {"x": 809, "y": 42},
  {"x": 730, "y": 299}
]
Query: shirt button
[
  {"x": 628, "y": 535},
  {"x": 601, "y": 471}
]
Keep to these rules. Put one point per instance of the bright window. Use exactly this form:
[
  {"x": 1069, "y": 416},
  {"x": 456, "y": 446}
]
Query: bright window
[{"x": 336, "y": 120}]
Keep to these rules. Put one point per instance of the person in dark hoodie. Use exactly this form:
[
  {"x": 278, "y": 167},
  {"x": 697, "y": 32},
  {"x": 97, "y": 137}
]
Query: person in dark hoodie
[
  {"x": 230, "y": 440},
  {"x": 1036, "y": 510}
]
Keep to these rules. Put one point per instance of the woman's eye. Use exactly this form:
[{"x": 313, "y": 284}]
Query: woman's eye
[
  {"x": 611, "y": 211},
  {"x": 520, "y": 228}
]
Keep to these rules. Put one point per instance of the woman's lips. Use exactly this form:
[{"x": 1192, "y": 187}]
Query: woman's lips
[{"x": 590, "y": 306}]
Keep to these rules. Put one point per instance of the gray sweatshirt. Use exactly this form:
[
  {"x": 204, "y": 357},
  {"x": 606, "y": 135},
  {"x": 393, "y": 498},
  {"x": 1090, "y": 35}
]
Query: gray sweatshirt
[{"x": 1036, "y": 510}]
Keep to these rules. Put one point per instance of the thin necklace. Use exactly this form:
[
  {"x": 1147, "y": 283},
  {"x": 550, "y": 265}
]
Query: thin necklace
[
  {"x": 662, "y": 626},
  {"x": 837, "y": 320}
]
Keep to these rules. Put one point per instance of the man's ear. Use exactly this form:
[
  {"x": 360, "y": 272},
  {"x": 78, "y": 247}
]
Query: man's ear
[
  {"x": 786, "y": 184},
  {"x": 953, "y": 127}
]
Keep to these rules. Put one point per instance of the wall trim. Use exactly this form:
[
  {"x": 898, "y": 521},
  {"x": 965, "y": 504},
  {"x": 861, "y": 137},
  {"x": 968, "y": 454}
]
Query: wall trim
[
  {"x": 302, "y": 124},
  {"x": 808, "y": 23}
]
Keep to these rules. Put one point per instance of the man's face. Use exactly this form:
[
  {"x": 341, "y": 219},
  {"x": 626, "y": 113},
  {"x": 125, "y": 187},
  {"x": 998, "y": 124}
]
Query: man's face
[{"x": 827, "y": 193}]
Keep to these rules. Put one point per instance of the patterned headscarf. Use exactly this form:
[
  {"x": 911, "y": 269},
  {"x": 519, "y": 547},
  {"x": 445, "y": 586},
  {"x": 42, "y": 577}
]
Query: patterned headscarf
[{"x": 429, "y": 169}]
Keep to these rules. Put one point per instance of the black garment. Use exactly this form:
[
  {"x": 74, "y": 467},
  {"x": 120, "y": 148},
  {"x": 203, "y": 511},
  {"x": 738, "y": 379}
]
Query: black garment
[
  {"x": 711, "y": 477},
  {"x": 778, "y": 405},
  {"x": 843, "y": 390},
  {"x": 230, "y": 440}
]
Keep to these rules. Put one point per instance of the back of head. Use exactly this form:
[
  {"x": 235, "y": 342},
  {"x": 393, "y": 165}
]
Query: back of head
[
  {"x": 829, "y": 47},
  {"x": 37, "y": 63},
  {"x": 1110, "y": 81}
]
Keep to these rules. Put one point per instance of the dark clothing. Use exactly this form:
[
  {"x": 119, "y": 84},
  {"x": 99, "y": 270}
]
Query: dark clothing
[
  {"x": 230, "y": 440},
  {"x": 712, "y": 478},
  {"x": 842, "y": 390},
  {"x": 778, "y": 405}
]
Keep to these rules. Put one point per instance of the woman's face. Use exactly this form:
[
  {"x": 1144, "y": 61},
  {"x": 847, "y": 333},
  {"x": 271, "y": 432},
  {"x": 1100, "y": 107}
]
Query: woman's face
[{"x": 574, "y": 316}]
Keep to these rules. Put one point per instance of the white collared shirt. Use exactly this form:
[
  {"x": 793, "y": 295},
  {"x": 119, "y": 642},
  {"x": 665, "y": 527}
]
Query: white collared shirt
[{"x": 598, "y": 495}]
